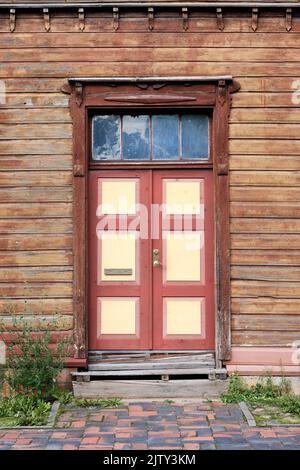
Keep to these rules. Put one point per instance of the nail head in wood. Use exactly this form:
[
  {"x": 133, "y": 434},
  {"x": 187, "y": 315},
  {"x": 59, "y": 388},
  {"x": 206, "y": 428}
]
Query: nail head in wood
[
  {"x": 116, "y": 18},
  {"x": 185, "y": 18},
  {"x": 46, "y": 14},
  {"x": 12, "y": 20},
  {"x": 151, "y": 18},
  {"x": 81, "y": 19},
  {"x": 254, "y": 19},
  {"x": 220, "y": 20}
]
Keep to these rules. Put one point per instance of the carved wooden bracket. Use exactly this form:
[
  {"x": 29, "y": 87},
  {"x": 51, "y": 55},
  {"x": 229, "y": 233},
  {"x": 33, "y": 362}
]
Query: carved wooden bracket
[
  {"x": 12, "y": 20},
  {"x": 254, "y": 19},
  {"x": 78, "y": 168},
  {"x": 116, "y": 18},
  {"x": 78, "y": 93},
  {"x": 185, "y": 18},
  {"x": 46, "y": 15},
  {"x": 220, "y": 20},
  {"x": 288, "y": 19},
  {"x": 150, "y": 18},
  {"x": 223, "y": 166},
  {"x": 222, "y": 92},
  {"x": 81, "y": 19}
]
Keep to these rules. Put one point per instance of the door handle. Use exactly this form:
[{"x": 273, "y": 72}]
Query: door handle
[{"x": 155, "y": 258}]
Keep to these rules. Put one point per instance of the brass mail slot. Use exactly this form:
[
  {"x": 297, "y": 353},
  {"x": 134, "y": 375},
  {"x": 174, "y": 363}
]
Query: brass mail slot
[{"x": 118, "y": 272}]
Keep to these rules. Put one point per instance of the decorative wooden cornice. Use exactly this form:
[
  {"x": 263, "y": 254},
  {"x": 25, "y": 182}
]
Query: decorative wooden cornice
[{"x": 148, "y": 4}]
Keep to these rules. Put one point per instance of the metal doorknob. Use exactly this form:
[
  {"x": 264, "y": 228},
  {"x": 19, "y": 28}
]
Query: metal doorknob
[{"x": 155, "y": 258}]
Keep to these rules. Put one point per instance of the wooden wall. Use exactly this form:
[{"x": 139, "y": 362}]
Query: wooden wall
[{"x": 36, "y": 146}]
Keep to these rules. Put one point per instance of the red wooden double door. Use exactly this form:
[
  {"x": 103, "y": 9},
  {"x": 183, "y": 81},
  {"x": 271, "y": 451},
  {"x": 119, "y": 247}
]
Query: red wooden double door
[{"x": 151, "y": 260}]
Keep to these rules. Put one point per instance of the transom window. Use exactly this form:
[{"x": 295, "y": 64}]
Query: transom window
[{"x": 150, "y": 137}]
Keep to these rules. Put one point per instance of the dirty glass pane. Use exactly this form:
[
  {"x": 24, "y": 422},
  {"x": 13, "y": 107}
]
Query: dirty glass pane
[
  {"x": 135, "y": 137},
  {"x": 165, "y": 137},
  {"x": 106, "y": 131},
  {"x": 194, "y": 136}
]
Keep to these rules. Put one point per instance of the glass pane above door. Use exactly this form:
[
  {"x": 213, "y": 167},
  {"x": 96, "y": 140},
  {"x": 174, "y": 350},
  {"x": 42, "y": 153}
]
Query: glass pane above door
[{"x": 142, "y": 137}]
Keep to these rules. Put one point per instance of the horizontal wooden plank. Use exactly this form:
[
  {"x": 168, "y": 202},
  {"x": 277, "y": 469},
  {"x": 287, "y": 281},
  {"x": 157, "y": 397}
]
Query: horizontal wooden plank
[
  {"x": 36, "y": 147},
  {"x": 265, "y": 306},
  {"x": 283, "y": 226},
  {"x": 17, "y": 242},
  {"x": 25, "y": 194},
  {"x": 149, "y": 39},
  {"x": 44, "y": 306},
  {"x": 37, "y": 85},
  {"x": 36, "y": 274},
  {"x": 35, "y": 178},
  {"x": 36, "y": 131},
  {"x": 264, "y": 338},
  {"x": 263, "y": 147},
  {"x": 30, "y": 116},
  {"x": 155, "y": 54},
  {"x": 267, "y": 84},
  {"x": 34, "y": 290},
  {"x": 265, "y": 273},
  {"x": 265, "y": 178},
  {"x": 263, "y": 194},
  {"x": 36, "y": 162},
  {"x": 35, "y": 100},
  {"x": 193, "y": 388},
  {"x": 36, "y": 258},
  {"x": 35, "y": 226},
  {"x": 247, "y": 288},
  {"x": 151, "y": 372},
  {"x": 264, "y": 162},
  {"x": 262, "y": 257},
  {"x": 264, "y": 100},
  {"x": 263, "y": 323},
  {"x": 143, "y": 366},
  {"x": 133, "y": 68},
  {"x": 38, "y": 322},
  {"x": 22, "y": 210},
  {"x": 264, "y": 209},
  {"x": 265, "y": 241},
  {"x": 265, "y": 115},
  {"x": 254, "y": 131}
]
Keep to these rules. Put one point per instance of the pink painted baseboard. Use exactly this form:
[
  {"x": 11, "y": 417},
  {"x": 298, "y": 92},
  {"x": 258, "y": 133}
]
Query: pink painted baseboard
[
  {"x": 263, "y": 370},
  {"x": 263, "y": 356}
]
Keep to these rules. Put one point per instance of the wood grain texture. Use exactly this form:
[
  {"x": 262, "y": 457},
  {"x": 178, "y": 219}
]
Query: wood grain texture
[{"x": 36, "y": 177}]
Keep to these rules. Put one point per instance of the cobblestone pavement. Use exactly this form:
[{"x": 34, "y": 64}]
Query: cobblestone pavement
[{"x": 153, "y": 425}]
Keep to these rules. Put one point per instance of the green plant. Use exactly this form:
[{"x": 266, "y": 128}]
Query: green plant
[
  {"x": 264, "y": 392},
  {"x": 25, "y": 410},
  {"x": 62, "y": 396},
  {"x": 32, "y": 367},
  {"x": 102, "y": 403}
]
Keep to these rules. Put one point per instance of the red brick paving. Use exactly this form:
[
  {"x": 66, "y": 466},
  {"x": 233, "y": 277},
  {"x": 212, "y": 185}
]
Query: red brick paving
[{"x": 152, "y": 425}]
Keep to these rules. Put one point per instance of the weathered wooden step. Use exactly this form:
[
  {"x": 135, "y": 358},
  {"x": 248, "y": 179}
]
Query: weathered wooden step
[
  {"x": 100, "y": 366},
  {"x": 195, "y": 388},
  {"x": 156, "y": 371}
]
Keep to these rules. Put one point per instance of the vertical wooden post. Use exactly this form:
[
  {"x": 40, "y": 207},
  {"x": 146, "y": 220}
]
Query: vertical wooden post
[
  {"x": 221, "y": 176},
  {"x": 79, "y": 221}
]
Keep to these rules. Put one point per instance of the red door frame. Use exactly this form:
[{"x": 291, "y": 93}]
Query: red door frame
[{"x": 203, "y": 92}]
